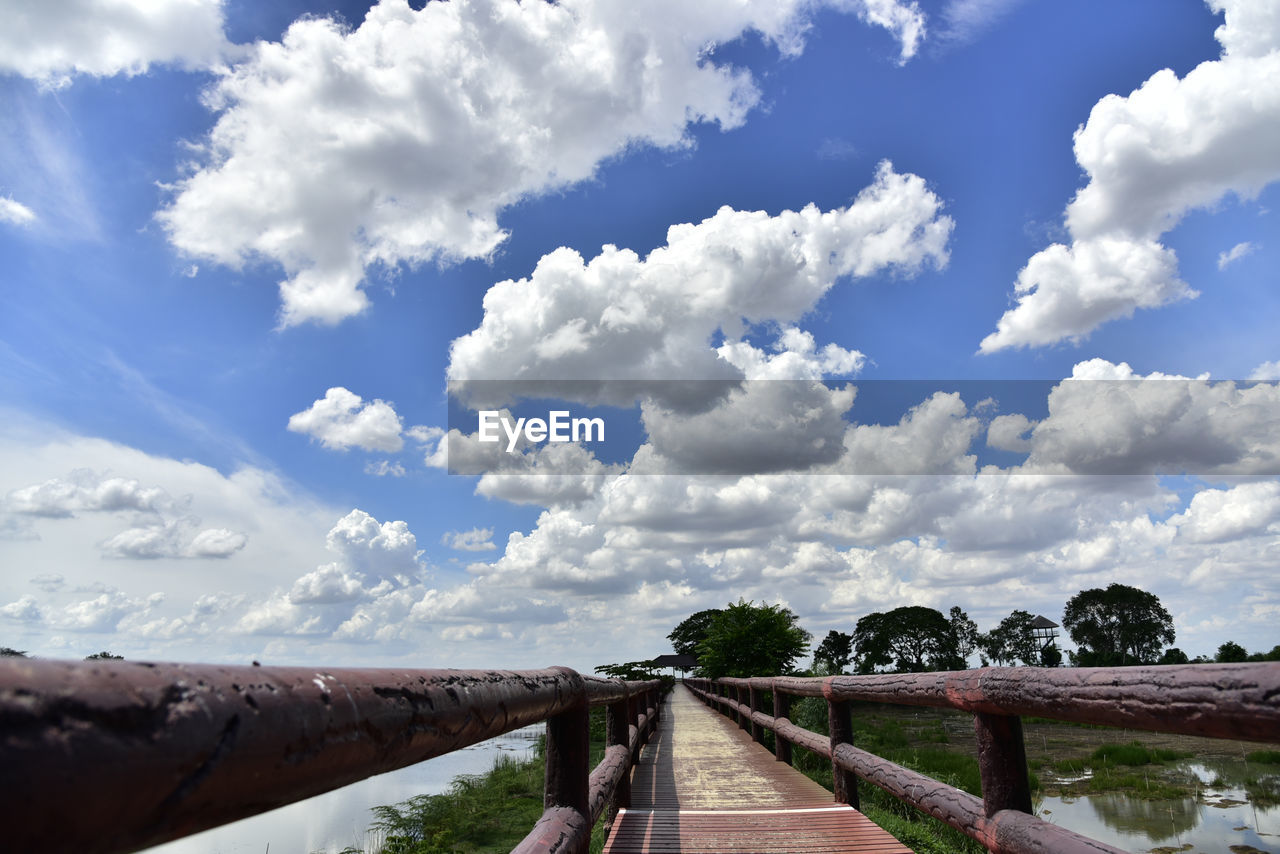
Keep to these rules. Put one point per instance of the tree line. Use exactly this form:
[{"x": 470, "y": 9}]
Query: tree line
[{"x": 1117, "y": 625}]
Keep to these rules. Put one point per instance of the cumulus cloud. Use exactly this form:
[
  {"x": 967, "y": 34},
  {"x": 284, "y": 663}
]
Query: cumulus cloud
[
  {"x": 430, "y": 122},
  {"x": 1218, "y": 515},
  {"x": 475, "y": 540},
  {"x": 24, "y": 610},
  {"x": 341, "y": 419},
  {"x": 623, "y": 317},
  {"x": 52, "y": 42},
  {"x": 1171, "y": 146},
  {"x": 15, "y": 213},
  {"x": 1108, "y": 419},
  {"x": 106, "y": 612},
  {"x": 163, "y": 526},
  {"x": 1267, "y": 371}
]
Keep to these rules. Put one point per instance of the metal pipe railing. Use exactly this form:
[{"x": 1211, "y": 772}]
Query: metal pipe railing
[
  {"x": 116, "y": 756},
  {"x": 1215, "y": 700}
]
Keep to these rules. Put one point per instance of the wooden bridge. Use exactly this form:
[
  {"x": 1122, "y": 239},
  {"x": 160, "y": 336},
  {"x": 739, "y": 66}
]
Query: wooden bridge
[
  {"x": 703, "y": 784},
  {"x": 118, "y": 756}
]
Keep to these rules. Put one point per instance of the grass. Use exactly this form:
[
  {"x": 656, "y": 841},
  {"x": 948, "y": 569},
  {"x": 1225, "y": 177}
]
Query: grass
[
  {"x": 1134, "y": 753},
  {"x": 1264, "y": 757},
  {"x": 480, "y": 813}
]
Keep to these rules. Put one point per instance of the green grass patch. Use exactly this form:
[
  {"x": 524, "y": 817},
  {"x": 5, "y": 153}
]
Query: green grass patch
[
  {"x": 1134, "y": 753},
  {"x": 1264, "y": 757}
]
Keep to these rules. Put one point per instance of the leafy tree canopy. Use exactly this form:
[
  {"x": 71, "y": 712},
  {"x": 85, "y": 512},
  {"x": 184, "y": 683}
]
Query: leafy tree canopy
[
  {"x": 1118, "y": 625},
  {"x": 686, "y": 637},
  {"x": 914, "y": 639},
  {"x": 10, "y": 652},
  {"x": 104, "y": 656},
  {"x": 1173, "y": 655},
  {"x": 835, "y": 652},
  {"x": 1012, "y": 641},
  {"x": 746, "y": 639},
  {"x": 1230, "y": 652},
  {"x": 629, "y": 670}
]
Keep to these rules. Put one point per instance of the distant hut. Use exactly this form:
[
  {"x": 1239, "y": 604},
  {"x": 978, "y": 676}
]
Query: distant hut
[
  {"x": 1045, "y": 631},
  {"x": 676, "y": 662}
]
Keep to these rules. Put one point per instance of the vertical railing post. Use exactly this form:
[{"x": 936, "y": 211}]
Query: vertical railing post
[
  {"x": 781, "y": 709},
  {"x": 744, "y": 720},
  {"x": 618, "y": 731},
  {"x": 754, "y": 699},
  {"x": 1002, "y": 763},
  {"x": 840, "y": 729},
  {"x": 568, "y": 756}
]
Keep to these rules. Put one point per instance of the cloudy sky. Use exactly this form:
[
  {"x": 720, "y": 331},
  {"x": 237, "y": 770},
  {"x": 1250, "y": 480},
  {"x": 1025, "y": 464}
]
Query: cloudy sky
[{"x": 984, "y": 294}]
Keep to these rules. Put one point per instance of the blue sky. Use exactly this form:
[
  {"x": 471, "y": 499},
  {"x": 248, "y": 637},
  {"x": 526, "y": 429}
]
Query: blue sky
[{"x": 246, "y": 244}]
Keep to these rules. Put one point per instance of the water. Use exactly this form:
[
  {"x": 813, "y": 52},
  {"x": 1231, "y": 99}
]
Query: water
[
  {"x": 334, "y": 820},
  {"x": 1218, "y": 819}
]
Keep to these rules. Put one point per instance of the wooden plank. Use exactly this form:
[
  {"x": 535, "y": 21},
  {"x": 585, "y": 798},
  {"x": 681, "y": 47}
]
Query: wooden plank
[{"x": 703, "y": 784}]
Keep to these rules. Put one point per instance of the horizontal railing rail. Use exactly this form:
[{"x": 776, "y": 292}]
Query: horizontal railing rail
[
  {"x": 115, "y": 756},
  {"x": 1240, "y": 701}
]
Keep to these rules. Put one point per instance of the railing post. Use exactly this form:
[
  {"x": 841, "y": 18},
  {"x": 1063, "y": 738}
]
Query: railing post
[
  {"x": 840, "y": 728},
  {"x": 753, "y": 699},
  {"x": 781, "y": 709},
  {"x": 744, "y": 720},
  {"x": 1002, "y": 762},
  {"x": 618, "y": 731},
  {"x": 568, "y": 756}
]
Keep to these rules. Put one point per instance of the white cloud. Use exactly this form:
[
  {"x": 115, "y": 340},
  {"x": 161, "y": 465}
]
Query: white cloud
[
  {"x": 475, "y": 540},
  {"x": 106, "y": 612},
  {"x": 342, "y": 419},
  {"x": 15, "y": 213},
  {"x": 51, "y": 42},
  {"x": 1171, "y": 146},
  {"x": 25, "y": 610},
  {"x": 430, "y": 123},
  {"x": 384, "y": 468},
  {"x": 1107, "y": 419},
  {"x": 1235, "y": 253},
  {"x": 1267, "y": 371},
  {"x": 619, "y": 316},
  {"x": 1218, "y": 515},
  {"x": 965, "y": 20}
]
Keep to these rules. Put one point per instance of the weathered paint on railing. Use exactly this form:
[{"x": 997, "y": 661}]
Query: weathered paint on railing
[
  {"x": 116, "y": 756},
  {"x": 1216, "y": 700}
]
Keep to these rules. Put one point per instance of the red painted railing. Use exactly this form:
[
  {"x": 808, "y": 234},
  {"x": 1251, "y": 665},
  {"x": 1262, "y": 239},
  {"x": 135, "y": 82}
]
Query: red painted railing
[
  {"x": 117, "y": 756},
  {"x": 1216, "y": 700}
]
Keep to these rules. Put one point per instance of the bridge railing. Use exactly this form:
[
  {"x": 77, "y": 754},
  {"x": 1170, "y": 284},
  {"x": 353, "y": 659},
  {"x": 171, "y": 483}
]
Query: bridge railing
[
  {"x": 117, "y": 756},
  {"x": 1239, "y": 701}
]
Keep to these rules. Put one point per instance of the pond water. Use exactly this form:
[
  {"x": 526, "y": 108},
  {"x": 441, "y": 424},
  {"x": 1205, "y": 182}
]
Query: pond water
[
  {"x": 334, "y": 820},
  {"x": 1220, "y": 817}
]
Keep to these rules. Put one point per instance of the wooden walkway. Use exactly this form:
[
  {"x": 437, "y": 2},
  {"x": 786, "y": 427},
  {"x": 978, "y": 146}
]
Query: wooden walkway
[{"x": 702, "y": 784}]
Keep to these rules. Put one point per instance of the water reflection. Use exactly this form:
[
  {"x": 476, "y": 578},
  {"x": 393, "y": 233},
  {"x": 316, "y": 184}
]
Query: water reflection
[
  {"x": 334, "y": 820},
  {"x": 1219, "y": 818}
]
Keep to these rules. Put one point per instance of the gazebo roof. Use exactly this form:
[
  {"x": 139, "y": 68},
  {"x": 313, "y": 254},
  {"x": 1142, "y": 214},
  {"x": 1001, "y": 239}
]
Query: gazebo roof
[
  {"x": 1043, "y": 623},
  {"x": 674, "y": 660}
]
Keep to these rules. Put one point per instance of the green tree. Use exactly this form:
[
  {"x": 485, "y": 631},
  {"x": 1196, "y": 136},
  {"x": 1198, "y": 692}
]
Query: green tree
[
  {"x": 1273, "y": 655},
  {"x": 630, "y": 670},
  {"x": 10, "y": 652},
  {"x": 746, "y": 639},
  {"x": 1173, "y": 655},
  {"x": 1012, "y": 641},
  {"x": 104, "y": 656},
  {"x": 835, "y": 652},
  {"x": 1231, "y": 652},
  {"x": 1116, "y": 626},
  {"x": 909, "y": 639},
  {"x": 961, "y": 643},
  {"x": 686, "y": 637}
]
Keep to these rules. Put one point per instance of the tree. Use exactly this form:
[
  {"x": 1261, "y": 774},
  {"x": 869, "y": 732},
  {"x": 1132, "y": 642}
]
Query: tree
[
  {"x": 1231, "y": 652},
  {"x": 104, "y": 656},
  {"x": 962, "y": 642},
  {"x": 1273, "y": 655},
  {"x": 630, "y": 670},
  {"x": 912, "y": 639},
  {"x": 1118, "y": 625},
  {"x": 686, "y": 637},
  {"x": 1173, "y": 655},
  {"x": 10, "y": 652},
  {"x": 1012, "y": 641},
  {"x": 835, "y": 652},
  {"x": 746, "y": 639}
]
